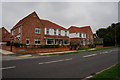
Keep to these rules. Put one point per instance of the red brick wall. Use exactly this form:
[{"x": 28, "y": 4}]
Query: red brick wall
[
  {"x": 86, "y": 30},
  {"x": 28, "y": 30},
  {"x": 38, "y": 50},
  {"x": 99, "y": 46}
]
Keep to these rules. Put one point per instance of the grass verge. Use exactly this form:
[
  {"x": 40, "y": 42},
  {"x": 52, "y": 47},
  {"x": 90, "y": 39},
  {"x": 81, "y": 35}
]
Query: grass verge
[
  {"x": 78, "y": 51},
  {"x": 109, "y": 74}
]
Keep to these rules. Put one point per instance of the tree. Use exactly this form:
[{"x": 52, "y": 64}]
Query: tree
[
  {"x": 110, "y": 35},
  {"x": 101, "y": 32}
]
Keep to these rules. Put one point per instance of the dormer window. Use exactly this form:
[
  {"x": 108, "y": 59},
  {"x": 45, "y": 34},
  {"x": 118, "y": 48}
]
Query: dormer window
[{"x": 37, "y": 30}]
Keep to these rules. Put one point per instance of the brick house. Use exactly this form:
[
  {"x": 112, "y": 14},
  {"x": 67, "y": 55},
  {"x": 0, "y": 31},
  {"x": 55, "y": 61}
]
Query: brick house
[
  {"x": 32, "y": 30},
  {"x": 81, "y": 35},
  {"x": 4, "y": 36}
]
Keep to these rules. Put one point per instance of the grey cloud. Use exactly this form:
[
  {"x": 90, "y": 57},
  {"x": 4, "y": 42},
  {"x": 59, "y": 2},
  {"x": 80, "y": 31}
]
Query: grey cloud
[{"x": 95, "y": 14}]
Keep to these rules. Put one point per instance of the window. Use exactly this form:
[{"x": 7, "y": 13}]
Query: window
[
  {"x": 80, "y": 35},
  {"x": 59, "y": 32},
  {"x": 65, "y": 33},
  {"x": 5, "y": 32},
  {"x": 27, "y": 41},
  {"x": 47, "y": 31},
  {"x": 81, "y": 42},
  {"x": 54, "y": 31},
  {"x": 37, "y": 41},
  {"x": 37, "y": 30},
  {"x": 91, "y": 37},
  {"x": 19, "y": 29},
  {"x": 13, "y": 32},
  {"x": 50, "y": 41},
  {"x": 84, "y": 35},
  {"x": 66, "y": 41}
]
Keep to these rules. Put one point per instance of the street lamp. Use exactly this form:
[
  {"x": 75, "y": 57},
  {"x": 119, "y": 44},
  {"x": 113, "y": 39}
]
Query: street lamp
[{"x": 11, "y": 43}]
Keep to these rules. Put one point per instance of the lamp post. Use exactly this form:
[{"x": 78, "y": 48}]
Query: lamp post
[{"x": 11, "y": 43}]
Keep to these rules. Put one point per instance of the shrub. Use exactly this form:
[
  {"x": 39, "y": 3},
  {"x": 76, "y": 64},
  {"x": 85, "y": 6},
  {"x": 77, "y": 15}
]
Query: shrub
[
  {"x": 91, "y": 46},
  {"x": 83, "y": 48},
  {"x": 18, "y": 44}
]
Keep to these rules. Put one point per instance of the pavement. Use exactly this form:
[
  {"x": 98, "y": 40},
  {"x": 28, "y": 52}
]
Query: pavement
[
  {"x": 80, "y": 65},
  {"x": 7, "y": 55}
]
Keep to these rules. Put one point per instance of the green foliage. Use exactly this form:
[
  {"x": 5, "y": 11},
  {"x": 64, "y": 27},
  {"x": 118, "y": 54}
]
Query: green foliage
[
  {"x": 104, "y": 48},
  {"x": 91, "y": 46},
  {"x": 101, "y": 32},
  {"x": 110, "y": 35},
  {"x": 18, "y": 44},
  {"x": 111, "y": 74},
  {"x": 83, "y": 48}
]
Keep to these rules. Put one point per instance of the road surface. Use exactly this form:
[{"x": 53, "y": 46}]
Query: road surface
[{"x": 78, "y": 65}]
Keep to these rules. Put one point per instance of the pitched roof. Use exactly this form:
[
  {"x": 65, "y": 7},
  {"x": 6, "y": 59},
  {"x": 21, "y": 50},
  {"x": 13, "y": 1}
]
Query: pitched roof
[
  {"x": 22, "y": 21},
  {"x": 74, "y": 29},
  {"x": 50, "y": 24},
  {"x": 4, "y": 36},
  {"x": 45, "y": 22}
]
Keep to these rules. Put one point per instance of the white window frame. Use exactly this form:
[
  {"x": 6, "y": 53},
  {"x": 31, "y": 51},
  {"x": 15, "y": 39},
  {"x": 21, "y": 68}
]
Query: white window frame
[
  {"x": 50, "y": 44},
  {"x": 80, "y": 34},
  {"x": 12, "y": 32},
  {"x": 65, "y": 33},
  {"x": 37, "y": 40},
  {"x": 67, "y": 43},
  {"x": 47, "y": 30},
  {"x": 84, "y": 35},
  {"x": 28, "y": 40},
  {"x": 55, "y": 32},
  {"x": 59, "y": 32},
  {"x": 36, "y": 30},
  {"x": 19, "y": 30},
  {"x": 91, "y": 36}
]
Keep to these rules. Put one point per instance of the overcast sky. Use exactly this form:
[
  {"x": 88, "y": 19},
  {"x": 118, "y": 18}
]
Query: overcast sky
[{"x": 95, "y": 14}]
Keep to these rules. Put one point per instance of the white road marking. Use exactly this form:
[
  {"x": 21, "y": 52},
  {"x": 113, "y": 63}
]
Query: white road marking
[
  {"x": 105, "y": 52},
  {"x": 55, "y": 61},
  {"x": 90, "y": 55},
  {"x": 89, "y": 77},
  {"x": 69, "y": 59},
  {"x": 8, "y": 67}
]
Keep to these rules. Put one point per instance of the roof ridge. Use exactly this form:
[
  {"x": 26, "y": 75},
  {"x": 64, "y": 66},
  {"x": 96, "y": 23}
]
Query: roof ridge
[
  {"x": 24, "y": 20},
  {"x": 53, "y": 23}
]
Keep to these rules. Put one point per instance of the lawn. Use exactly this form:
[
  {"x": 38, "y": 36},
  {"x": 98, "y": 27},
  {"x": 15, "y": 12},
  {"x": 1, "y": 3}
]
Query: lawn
[{"x": 109, "y": 74}]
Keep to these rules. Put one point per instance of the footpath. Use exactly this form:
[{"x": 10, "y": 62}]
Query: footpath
[{"x": 7, "y": 55}]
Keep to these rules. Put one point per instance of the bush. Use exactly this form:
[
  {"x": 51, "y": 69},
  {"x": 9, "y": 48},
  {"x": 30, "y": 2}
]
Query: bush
[
  {"x": 83, "y": 48},
  {"x": 18, "y": 44},
  {"x": 91, "y": 46}
]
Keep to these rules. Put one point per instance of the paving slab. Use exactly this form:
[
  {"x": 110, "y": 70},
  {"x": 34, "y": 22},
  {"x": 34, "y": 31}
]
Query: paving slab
[{"x": 5, "y": 52}]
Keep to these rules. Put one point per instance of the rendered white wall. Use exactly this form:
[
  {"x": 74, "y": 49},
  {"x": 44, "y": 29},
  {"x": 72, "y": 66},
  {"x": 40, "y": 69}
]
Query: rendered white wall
[{"x": 51, "y": 32}]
